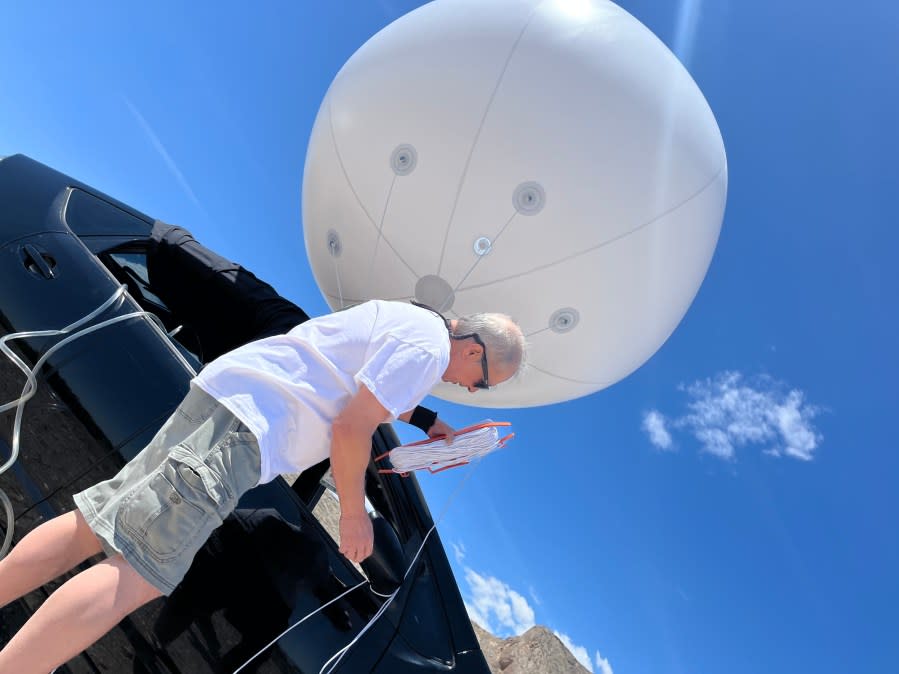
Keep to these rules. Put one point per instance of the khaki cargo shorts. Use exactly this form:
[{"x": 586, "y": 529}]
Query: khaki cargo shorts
[{"x": 158, "y": 511}]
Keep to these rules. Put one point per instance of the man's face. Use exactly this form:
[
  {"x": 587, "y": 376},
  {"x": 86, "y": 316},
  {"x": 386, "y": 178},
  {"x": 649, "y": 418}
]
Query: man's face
[{"x": 466, "y": 367}]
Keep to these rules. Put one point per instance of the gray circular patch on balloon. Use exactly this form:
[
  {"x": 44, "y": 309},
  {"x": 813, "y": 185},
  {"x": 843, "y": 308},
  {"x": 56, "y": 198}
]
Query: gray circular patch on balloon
[
  {"x": 403, "y": 160},
  {"x": 435, "y": 292},
  {"x": 529, "y": 198},
  {"x": 564, "y": 320},
  {"x": 334, "y": 245},
  {"x": 482, "y": 246}
]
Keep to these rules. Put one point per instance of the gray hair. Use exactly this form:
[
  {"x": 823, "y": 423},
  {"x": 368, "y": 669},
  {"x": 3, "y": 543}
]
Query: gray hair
[{"x": 504, "y": 340}]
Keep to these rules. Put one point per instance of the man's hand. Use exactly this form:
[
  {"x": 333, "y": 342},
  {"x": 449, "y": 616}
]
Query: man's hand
[
  {"x": 356, "y": 537},
  {"x": 442, "y": 428}
]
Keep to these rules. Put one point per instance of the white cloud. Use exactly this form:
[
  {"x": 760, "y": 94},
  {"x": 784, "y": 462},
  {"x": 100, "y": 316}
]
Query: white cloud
[
  {"x": 499, "y": 609},
  {"x": 727, "y": 412},
  {"x": 792, "y": 423},
  {"x": 603, "y": 664},
  {"x": 459, "y": 552},
  {"x": 579, "y": 652},
  {"x": 477, "y": 617},
  {"x": 654, "y": 425},
  {"x": 534, "y": 595},
  {"x": 496, "y": 606}
]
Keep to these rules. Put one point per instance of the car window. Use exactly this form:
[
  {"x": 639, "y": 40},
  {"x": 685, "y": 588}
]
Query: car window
[
  {"x": 129, "y": 266},
  {"x": 135, "y": 265}
]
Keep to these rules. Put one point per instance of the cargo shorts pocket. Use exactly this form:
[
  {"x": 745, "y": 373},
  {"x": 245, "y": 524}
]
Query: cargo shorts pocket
[{"x": 166, "y": 513}]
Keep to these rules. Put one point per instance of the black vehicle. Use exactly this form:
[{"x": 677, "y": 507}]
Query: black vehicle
[{"x": 65, "y": 249}]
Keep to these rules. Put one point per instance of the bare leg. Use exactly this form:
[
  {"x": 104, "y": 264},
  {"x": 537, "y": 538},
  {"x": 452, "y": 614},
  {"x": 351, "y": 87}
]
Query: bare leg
[
  {"x": 81, "y": 611},
  {"x": 47, "y": 552}
]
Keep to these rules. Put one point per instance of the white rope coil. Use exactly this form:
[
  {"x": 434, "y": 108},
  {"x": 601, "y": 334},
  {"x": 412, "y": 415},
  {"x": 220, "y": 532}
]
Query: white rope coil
[{"x": 435, "y": 455}]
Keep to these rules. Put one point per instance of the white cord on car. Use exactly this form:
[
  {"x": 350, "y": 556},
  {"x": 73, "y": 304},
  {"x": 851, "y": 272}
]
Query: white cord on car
[
  {"x": 10, "y": 522},
  {"x": 343, "y": 651},
  {"x": 30, "y": 387},
  {"x": 323, "y": 606},
  {"x": 331, "y": 664}
]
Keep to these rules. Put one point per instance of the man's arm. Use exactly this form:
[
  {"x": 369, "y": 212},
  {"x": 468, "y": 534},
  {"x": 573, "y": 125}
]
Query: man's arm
[{"x": 351, "y": 435}]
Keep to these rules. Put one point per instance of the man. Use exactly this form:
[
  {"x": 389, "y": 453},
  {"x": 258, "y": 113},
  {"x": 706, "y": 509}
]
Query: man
[{"x": 280, "y": 404}]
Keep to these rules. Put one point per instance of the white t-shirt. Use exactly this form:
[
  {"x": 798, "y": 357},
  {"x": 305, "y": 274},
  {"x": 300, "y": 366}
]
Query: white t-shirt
[{"x": 288, "y": 389}]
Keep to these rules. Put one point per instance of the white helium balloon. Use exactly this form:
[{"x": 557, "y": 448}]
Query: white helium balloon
[{"x": 549, "y": 159}]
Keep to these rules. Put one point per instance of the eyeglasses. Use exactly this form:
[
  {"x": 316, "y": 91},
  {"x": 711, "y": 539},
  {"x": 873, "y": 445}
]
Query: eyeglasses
[{"x": 484, "y": 383}]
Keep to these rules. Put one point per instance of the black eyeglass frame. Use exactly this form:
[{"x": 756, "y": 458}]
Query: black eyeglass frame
[{"x": 483, "y": 384}]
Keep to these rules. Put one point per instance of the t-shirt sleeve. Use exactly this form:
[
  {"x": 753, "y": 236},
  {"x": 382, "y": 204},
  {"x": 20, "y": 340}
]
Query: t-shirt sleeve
[{"x": 399, "y": 375}]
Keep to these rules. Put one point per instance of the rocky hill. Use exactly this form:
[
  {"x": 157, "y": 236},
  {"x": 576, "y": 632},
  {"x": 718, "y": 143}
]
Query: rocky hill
[{"x": 537, "y": 651}]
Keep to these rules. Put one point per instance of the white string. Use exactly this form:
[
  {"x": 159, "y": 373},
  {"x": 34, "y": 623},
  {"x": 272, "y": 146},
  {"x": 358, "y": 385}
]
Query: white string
[
  {"x": 323, "y": 606},
  {"x": 343, "y": 651},
  {"x": 436, "y": 454},
  {"x": 10, "y": 523},
  {"x": 30, "y": 388}
]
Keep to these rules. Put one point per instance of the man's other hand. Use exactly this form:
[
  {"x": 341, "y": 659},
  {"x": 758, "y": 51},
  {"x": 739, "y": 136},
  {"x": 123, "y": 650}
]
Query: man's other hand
[
  {"x": 356, "y": 537},
  {"x": 442, "y": 428}
]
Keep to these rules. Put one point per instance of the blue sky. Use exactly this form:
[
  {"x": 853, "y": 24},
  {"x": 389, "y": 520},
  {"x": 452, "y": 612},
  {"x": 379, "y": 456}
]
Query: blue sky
[{"x": 731, "y": 506}]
